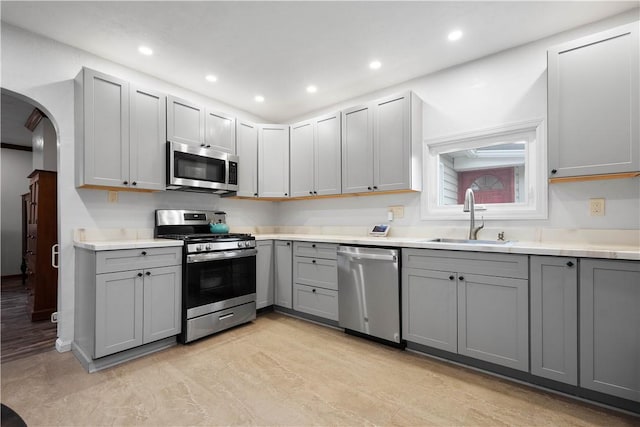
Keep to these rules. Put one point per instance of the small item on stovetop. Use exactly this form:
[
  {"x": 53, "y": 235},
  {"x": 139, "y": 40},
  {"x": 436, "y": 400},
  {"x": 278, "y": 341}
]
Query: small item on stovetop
[{"x": 219, "y": 227}]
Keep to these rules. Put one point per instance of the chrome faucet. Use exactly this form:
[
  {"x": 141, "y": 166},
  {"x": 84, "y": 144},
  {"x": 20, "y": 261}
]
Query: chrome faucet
[{"x": 470, "y": 206}]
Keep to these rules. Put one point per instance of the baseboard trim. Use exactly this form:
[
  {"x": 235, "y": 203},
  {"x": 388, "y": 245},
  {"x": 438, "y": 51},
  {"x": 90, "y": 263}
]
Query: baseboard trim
[{"x": 63, "y": 346}]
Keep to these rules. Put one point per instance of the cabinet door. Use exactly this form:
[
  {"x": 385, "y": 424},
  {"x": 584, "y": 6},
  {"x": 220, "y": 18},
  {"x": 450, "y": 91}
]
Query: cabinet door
[
  {"x": 554, "y": 318},
  {"x": 493, "y": 320},
  {"x": 283, "y": 274},
  {"x": 392, "y": 143},
  {"x": 610, "y": 327},
  {"x": 429, "y": 308},
  {"x": 106, "y": 130},
  {"x": 162, "y": 303},
  {"x": 327, "y": 154},
  {"x": 593, "y": 104},
  {"x": 302, "y": 159},
  {"x": 264, "y": 274},
  {"x": 148, "y": 140},
  {"x": 220, "y": 131},
  {"x": 118, "y": 312},
  {"x": 273, "y": 161},
  {"x": 247, "y": 134},
  {"x": 357, "y": 150},
  {"x": 185, "y": 122}
]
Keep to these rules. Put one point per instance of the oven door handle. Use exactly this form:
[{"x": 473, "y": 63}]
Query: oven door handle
[{"x": 213, "y": 256}]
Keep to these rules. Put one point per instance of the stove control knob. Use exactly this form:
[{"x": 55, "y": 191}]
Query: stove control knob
[
  {"x": 208, "y": 247},
  {"x": 198, "y": 248},
  {"x": 240, "y": 244}
]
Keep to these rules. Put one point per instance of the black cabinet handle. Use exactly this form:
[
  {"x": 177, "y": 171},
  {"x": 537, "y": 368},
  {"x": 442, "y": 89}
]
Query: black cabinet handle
[
  {"x": 202, "y": 145},
  {"x": 148, "y": 273},
  {"x": 461, "y": 277},
  {"x": 139, "y": 274},
  {"x": 255, "y": 194},
  {"x": 452, "y": 277},
  {"x": 554, "y": 171},
  {"x": 144, "y": 253},
  {"x": 126, "y": 183},
  {"x": 569, "y": 264},
  {"x": 208, "y": 146}
]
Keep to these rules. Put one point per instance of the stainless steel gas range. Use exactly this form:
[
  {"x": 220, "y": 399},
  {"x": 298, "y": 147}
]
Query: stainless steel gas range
[{"x": 218, "y": 272}]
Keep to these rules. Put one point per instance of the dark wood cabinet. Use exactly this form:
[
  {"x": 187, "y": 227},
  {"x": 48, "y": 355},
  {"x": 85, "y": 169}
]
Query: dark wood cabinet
[{"x": 41, "y": 235}]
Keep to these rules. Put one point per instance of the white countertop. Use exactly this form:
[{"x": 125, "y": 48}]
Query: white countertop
[
  {"x": 110, "y": 245},
  {"x": 581, "y": 250}
]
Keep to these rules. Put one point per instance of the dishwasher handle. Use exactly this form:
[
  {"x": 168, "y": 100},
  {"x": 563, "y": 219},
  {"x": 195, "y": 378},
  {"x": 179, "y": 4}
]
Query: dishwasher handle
[{"x": 377, "y": 257}]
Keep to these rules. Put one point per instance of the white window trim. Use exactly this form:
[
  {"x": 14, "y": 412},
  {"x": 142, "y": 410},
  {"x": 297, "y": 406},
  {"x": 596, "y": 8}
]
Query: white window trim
[{"x": 535, "y": 207}]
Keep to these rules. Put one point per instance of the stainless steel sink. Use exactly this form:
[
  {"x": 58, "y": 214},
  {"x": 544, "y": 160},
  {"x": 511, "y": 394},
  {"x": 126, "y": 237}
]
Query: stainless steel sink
[{"x": 467, "y": 241}]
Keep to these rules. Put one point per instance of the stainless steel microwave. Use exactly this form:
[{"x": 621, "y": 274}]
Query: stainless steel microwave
[{"x": 191, "y": 168}]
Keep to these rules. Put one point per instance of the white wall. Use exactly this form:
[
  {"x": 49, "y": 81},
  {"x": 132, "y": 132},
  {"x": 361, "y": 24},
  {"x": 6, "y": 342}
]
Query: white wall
[
  {"x": 504, "y": 88},
  {"x": 43, "y": 70},
  {"x": 15, "y": 166},
  {"x": 44, "y": 144}
]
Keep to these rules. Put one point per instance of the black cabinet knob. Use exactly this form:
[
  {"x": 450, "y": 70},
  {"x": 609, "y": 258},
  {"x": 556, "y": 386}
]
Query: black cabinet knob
[
  {"x": 255, "y": 194},
  {"x": 315, "y": 192},
  {"x": 313, "y": 261},
  {"x": 144, "y": 253},
  {"x": 461, "y": 277},
  {"x": 452, "y": 277},
  {"x": 288, "y": 243},
  {"x": 139, "y": 274},
  {"x": 202, "y": 145},
  {"x": 375, "y": 187},
  {"x": 148, "y": 273},
  {"x": 126, "y": 183},
  {"x": 313, "y": 290},
  {"x": 286, "y": 194},
  {"x": 134, "y": 183},
  {"x": 311, "y": 192},
  {"x": 554, "y": 171},
  {"x": 208, "y": 146},
  {"x": 369, "y": 188},
  {"x": 313, "y": 245},
  {"x": 569, "y": 264}
]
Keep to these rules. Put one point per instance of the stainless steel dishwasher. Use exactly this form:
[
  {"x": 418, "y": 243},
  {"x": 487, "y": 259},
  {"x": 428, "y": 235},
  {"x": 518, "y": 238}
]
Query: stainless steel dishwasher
[{"x": 369, "y": 291}]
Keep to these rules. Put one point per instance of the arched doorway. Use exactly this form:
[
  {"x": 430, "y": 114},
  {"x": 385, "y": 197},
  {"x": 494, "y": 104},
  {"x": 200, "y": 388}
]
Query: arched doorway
[{"x": 29, "y": 227}]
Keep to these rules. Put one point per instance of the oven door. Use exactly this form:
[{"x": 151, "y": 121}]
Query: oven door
[
  {"x": 219, "y": 280},
  {"x": 196, "y": 167}
]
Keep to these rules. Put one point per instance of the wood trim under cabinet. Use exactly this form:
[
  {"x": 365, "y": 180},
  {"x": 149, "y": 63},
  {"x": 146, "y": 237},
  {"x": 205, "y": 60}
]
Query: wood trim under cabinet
[
  {"x": 107, "y": 188},
  {"x": 326, "y": 196},
  {"x": 594, "y": 177}
]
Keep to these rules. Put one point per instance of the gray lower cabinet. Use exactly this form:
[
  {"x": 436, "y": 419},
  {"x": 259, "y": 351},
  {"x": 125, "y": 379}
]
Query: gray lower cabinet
[
  {"x": 121, "y": 308},
  {"x": 265, "y": 286},
  {"x": 315, "y": 279},
  {"x": 610, "y": 327},
  {"x": 554, "y": 318},
  {"x": 474, "y": 304},
  {"x": 282, "y": 274}
]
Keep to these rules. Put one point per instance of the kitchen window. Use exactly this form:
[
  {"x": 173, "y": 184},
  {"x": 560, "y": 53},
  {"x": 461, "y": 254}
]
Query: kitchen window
[{"x": 505, "y": 166}]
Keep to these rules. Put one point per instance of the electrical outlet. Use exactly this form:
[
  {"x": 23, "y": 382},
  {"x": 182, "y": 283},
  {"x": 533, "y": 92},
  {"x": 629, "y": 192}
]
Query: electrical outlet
[
  {"x": 596, "y": 207},
  {"x": 112, "y": 196},
  {"x": 397, "y": 211}
]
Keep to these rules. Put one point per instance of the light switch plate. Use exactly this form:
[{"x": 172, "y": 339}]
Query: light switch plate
[
  {"x": 397, "y": 211},
  {"x": 112, "y": 196},
  {"x": 596, "y": 207}
]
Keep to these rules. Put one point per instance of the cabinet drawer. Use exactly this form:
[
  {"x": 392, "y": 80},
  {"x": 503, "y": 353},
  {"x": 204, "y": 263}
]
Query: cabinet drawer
[
  {"x": 133, "y": 259},
  {"x": 317, "y": 301},
  {"x": 315, "y": 250},
  {"x": 487, "y": 264},
  {"x": 318, "y": 272}
]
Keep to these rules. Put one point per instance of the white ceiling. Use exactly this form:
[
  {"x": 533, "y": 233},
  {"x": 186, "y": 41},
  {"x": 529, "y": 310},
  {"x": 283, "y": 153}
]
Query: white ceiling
[
  {"x": 15, "y": 113},
  {"x": 276, "y": 49}
]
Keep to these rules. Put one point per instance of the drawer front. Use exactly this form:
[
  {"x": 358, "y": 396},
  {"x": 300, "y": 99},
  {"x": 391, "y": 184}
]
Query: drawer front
[
  {"x": 316, "y": 250},
  {"x": 318, "y": 272},
  {"x": 141, "y": 258},
  {"x": 317, "y": 301},
  {"x": 487, "y": 264}
]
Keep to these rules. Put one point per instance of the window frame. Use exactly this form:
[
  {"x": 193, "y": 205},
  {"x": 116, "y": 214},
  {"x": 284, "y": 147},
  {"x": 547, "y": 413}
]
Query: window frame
[{"x": 536, "y": 186}]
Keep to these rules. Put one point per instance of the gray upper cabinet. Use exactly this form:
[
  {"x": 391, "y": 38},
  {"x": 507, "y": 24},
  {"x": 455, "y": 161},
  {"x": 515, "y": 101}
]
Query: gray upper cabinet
[
  {"x": 102, "y": 130},
  {"x": 594, "y": 104},
  {"x": 120, "y": 131},
  {"x": 283, "y": 274},
  {"x": 381, "y": 145},
  {"x": 147, "y": 162},
  {"x": 247, "y": 145},
  {"x": 264, "y": 274},
  {"x": 315, "y": 157},
  {"x": 475, "y": 304},
  {"x": 610, "y": 327},
  {"x": 554, "y": 318},
  {"x": 185, "y": 121},
  {"x": 273, "y": 161},
  {"x": 220, "y": 131}
]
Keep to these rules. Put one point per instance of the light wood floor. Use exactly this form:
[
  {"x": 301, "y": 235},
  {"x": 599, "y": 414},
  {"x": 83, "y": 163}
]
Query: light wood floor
[
  {"x": 280, "y": 370},
  {"x": 19, "y": 336}
]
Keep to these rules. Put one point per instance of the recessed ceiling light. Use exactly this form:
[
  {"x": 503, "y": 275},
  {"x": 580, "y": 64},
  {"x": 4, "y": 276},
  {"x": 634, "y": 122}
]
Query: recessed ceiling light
[
  {"x": 259, "y": 98},
  {"x": 145, "y": 50},
  {"x": 374, "y": 65},
  {"x": 211, "y": 78},
  {"x": 455, "y": 35},
  {"x": 312, "y": 89}
]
